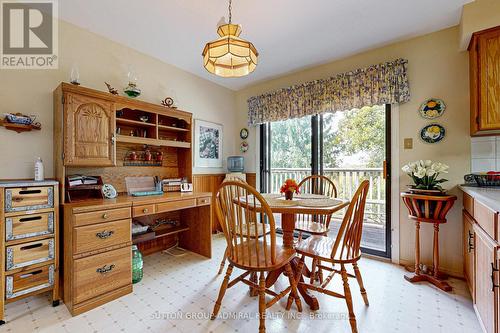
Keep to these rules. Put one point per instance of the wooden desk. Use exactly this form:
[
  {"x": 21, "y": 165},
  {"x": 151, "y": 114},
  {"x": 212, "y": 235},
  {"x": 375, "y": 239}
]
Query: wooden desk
[{"x": 97, "y": 240}]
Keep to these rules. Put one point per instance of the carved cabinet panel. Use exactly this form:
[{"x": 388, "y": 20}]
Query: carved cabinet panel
[{"x": 89, "y": 131}]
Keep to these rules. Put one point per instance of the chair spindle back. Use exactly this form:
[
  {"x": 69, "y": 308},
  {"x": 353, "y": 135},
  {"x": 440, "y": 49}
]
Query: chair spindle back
[
  {"x": 242, "y": 211},
  {"x": 317, "y": 184}
]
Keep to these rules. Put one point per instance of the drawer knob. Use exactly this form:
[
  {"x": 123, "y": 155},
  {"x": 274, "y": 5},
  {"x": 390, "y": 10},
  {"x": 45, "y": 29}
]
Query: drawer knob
[
  {"x": 104, "y": 216},
  {"x": 105, "y": 269},
  {"x": 145, "y": 210},
  {"x": 104, "y": 234}
]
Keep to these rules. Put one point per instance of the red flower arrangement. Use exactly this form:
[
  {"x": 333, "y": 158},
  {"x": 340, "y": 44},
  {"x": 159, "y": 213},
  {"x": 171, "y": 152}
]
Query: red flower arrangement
[{"x": 289, "y": 188}]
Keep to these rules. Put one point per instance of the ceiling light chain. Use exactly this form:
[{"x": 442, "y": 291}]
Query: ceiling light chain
[{"x": 230, "y": 14}]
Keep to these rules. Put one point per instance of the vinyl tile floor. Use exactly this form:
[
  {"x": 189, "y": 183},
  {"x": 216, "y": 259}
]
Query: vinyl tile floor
[{"x": 177, "y": 294}]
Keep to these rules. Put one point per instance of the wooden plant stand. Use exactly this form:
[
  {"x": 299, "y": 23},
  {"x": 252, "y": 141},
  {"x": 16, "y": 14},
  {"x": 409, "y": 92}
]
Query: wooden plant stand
[{"x": 428, "y": 209}]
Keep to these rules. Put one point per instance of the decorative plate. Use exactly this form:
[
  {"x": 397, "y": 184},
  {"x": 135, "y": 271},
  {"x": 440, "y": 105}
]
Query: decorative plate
[
  {"x": 432, "y": 133},
  {"x": 244, "y": 147},
  {"x": 432, "y": 108},
  {"x": 244, "y": 133},
  {"x": 109, "y": 191}
]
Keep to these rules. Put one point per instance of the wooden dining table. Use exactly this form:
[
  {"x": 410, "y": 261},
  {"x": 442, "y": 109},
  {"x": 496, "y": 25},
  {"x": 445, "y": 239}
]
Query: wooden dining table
[{"x": 288, "y": 218}]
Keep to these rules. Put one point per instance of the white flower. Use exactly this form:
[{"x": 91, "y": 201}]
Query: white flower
[
  {"x": 430, "y": 172},
  {"x": 420, "y": 173}
]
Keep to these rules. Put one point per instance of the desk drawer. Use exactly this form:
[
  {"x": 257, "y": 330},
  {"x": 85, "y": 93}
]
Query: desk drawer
[
  {"x": 175, "y": 205},
  {"x": 29, "y": 253},
  {"x": 203, "y": 201},
  {"x": 25, "y": 226},
  {"x": 486, "y": 218},
  {"x": 99, "y": 236},
  {"x": 102, "y": 216},
  {"x": 96, "y": 275},
  {"x": 143, "y": 210},
  {"x": 28, "y": 198},
  {"x": 22, "y": 283}
]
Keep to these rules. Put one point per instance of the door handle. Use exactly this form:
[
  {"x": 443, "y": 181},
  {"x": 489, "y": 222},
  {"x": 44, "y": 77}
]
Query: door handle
[
  {"x": 384, "y": 170},
  {"x": 493, "y": 270},
  {"x": 471, "y": 242}
]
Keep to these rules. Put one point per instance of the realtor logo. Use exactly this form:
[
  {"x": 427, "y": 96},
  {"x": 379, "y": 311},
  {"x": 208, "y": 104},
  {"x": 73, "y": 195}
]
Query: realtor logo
[{"x": 29, "y": 35}]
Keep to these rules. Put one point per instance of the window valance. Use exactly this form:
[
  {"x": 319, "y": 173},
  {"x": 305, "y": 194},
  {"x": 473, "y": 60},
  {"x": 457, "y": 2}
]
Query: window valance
[{"x": 385, "y": 83}]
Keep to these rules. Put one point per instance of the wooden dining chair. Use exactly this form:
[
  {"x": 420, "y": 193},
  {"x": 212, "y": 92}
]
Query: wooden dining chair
[
  {"x": 259, "y": 230},
  {"x": 236, "y": 203},
  {"x": 343, "y": 250},
  {"x": 315, "y": 224}
]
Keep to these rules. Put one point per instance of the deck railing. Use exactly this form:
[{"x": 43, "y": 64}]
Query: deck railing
[{"x": 347, "y": 181}]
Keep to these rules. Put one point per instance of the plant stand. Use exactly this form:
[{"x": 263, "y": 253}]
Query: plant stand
[{"x": 428, "y": 209}]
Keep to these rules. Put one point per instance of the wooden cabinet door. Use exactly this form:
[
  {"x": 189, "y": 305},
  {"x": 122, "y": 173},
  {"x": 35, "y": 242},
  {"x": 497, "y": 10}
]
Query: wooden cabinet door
[
  {"x": 89, "y": 131},
  {"x": 486, "y": 293},
  {"x": 489, "y": 80},
  {"x": 468, "y": 244}
]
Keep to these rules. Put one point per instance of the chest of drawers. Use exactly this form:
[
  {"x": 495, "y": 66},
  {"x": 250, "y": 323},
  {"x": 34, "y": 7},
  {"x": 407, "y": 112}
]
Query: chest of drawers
[{"x": 29, "y": 240}]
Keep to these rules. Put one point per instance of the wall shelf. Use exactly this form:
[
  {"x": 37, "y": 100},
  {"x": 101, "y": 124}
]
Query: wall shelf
[
  {"x": 133, "y": 122},
  {"x": 174, "y": 129},
  {"x": 152, "y": 142}
]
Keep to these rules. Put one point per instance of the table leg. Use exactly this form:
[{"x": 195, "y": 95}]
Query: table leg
[{"x": 288, "y": 227}]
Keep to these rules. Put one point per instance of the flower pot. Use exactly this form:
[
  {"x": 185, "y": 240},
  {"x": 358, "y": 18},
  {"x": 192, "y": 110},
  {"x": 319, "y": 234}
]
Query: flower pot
[
  {"x": 414, "y": 190},
  {"x": 288, "y": 195}
]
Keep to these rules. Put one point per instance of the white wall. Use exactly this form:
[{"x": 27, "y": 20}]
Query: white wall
[{"x": 99, "y": 59}]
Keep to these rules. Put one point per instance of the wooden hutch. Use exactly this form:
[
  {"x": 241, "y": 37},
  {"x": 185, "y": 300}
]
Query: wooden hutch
[{"x": 95, "y": 133}]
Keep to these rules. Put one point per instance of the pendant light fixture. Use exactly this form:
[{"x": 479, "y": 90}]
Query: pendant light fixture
[{"x": 230, "y": 55}]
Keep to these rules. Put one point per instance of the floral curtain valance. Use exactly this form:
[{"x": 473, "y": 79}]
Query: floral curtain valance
[{"x": 375, "y": 85}]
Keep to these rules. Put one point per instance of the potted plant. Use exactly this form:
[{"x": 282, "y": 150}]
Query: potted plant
[
  {"x": 425, "y": 176},
  {"x": 289, "y": 188}
]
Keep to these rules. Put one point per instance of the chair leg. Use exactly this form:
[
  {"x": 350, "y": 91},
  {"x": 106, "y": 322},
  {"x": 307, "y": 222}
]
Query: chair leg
[
  {"x": 262, "y": 303},
  {"x": 294, "y": 294},
  {"x": 360, "y": 282},
  {"x": 320, "y": 272},
  {"x": 222, "y": 291},
  {"x": 313, "y": 271},
  {"x": 222, "y": 263},
  {"x": 348, "y": 299}
]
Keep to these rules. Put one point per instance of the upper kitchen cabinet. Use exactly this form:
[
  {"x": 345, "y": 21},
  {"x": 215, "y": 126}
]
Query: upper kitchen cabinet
[
  {"x": 484, "y": 62},
  {"x": 88, "y": 129}
]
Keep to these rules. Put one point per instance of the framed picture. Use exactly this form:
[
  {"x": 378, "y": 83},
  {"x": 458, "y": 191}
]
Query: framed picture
[{"x": 208, "y": 139}]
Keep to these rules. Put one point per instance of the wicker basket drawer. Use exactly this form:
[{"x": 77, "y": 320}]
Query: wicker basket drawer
[
  {"x": 25, "y": 226},
  {"x": 29, "y": 253},
  {"x": 26, "y": 282},
  {"x": 99, "y": 236},
  {"x": 102, "y": 216},
  {"x": 96, "y": 275},
  {"x": 28, "y": 198}
]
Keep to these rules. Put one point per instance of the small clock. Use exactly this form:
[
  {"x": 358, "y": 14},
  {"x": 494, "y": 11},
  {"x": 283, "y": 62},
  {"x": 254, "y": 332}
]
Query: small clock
[{"x": 244, "y": 133}]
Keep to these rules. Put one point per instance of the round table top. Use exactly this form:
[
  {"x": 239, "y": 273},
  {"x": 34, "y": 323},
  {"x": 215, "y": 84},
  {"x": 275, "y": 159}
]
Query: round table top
[{"x": 307, "y": 204}]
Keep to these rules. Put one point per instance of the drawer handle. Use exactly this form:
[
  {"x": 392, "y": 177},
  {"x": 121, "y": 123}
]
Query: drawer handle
[
  {"x": 17, "y": 199},
  {"x": 104, "y": 234},
  {"x": 24, "y": 276},
  {"x": 29, "y": 219},
  {"x": 145, "y": 210},
  {"x": 470, "y": 242},
  {"x": 104, "y": 216},
  {"x": 493, "y": 270},
  {"x": 29, "y": 192},
  {"x": 32, "y": 246},
  {"x": 105, "y": 269}
]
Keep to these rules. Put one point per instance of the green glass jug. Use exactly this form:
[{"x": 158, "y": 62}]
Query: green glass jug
[{"x": 137, "y": 264}]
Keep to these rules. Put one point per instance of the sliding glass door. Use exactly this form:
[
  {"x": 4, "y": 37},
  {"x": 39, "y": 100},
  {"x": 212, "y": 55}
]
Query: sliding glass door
[{"x": 347, "y": 147}]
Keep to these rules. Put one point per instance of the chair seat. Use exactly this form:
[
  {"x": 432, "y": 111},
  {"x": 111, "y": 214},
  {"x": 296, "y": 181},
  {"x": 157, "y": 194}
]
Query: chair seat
[
  {"x": 251, "y": 226},
  {"x": 314, "y": 228},
  {"x": 252, "y": 261},
  {"x": 320, "y": 247}
]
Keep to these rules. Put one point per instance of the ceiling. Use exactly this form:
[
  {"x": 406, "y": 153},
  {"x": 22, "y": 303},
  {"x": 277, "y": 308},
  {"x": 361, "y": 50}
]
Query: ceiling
[{"x": 289, "y": 34}]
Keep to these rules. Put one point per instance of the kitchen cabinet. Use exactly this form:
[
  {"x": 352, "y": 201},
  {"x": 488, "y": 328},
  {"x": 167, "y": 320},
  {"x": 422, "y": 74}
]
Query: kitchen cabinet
[
  {"x": 484, "y": 62},
  {"x": 468, "y": 245}
]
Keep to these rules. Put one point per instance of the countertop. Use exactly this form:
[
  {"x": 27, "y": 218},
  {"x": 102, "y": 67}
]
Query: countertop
[
  {"x": 26, "y": 183},
  {"x": 490, "y": 197},
  {"x": 124, "y": 200}
]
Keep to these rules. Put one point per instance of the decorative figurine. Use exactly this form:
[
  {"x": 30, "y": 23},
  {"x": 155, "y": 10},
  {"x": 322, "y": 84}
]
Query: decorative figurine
[
  {"x": 147, "y": 155},
  {"x": 133, "y": 156},
  {"x": 159, "y": 156},
  {"x": 111, "y": 89},
  {"x": 168, "y": 102},
  {"x": 75, "y": 76}
]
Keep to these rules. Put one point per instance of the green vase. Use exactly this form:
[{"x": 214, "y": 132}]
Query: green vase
[{"x": 137, "y": 264}]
